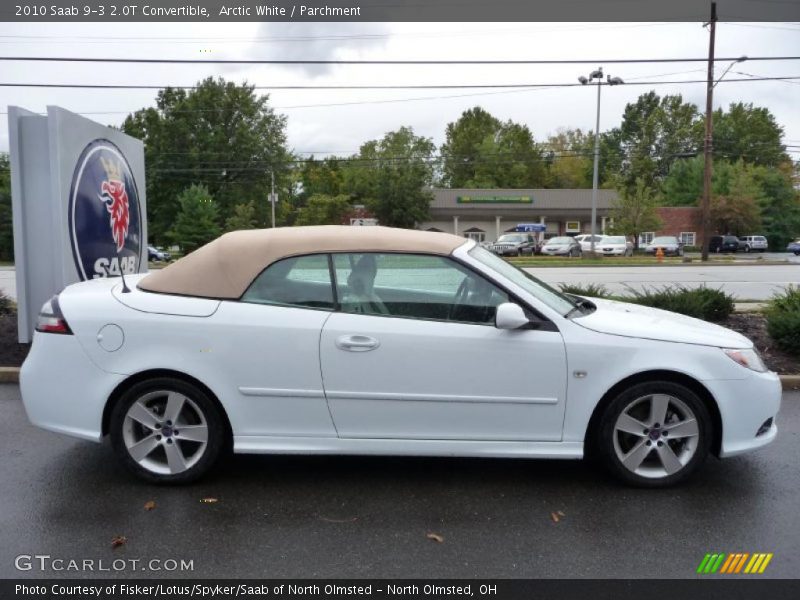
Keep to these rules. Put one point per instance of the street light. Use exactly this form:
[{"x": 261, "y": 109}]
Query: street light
[{"x": 598, "y": 75}]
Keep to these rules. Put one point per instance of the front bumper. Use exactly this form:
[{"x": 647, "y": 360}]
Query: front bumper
[
  {"x": 745, "y": 405},
  {"x": 555, "y": 252},
  {"x": 62, "y": 389}
]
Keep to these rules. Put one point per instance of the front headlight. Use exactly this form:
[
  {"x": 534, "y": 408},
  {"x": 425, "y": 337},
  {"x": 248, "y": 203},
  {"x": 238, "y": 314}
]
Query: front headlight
[{"x": 747, "y": 358}]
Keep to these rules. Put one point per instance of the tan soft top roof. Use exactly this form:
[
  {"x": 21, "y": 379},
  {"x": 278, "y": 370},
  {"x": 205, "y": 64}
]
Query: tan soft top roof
[{"x": 226, "y": 267}]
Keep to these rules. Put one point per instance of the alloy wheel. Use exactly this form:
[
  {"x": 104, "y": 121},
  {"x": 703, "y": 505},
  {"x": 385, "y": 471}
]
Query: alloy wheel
[
  {"x": 165, "y": 432},
  {"x": 656, "y": 436}
]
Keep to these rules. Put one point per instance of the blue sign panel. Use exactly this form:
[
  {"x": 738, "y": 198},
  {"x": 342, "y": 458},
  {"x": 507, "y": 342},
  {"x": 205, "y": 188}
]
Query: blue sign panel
[
  {"x": 531, "y": 227},
  {"x": 105, "y": 220}
]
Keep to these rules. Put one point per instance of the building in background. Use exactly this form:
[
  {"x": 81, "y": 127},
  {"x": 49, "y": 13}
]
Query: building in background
[{"x": 485, "y": 214}]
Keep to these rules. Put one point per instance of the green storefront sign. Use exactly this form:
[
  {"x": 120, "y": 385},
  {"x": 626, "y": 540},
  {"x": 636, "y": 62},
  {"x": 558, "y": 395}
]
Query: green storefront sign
[{"x": 494, "y": 200}]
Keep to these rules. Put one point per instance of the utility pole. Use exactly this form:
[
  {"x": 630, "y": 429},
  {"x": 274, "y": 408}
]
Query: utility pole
[
  {"x": 706, "y": 207},
  {"x": 272, "y": 197}
]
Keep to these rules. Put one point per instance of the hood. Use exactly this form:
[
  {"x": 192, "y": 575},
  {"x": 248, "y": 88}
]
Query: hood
[{"x": 633, "y": 320}]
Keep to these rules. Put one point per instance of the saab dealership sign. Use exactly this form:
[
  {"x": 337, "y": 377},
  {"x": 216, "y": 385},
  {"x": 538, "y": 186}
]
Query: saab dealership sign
[
  {"x": 78, "y": 205},
  {"x": 105, "y": 219}
]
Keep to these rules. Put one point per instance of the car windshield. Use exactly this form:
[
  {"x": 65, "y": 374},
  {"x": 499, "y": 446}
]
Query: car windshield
[
  {"x": 511, "y": 238},
  {"x": 540, "y": 290},
  {"x": 559, "y": 241},
  {"x": 665, "y": 240},
  {"x": 613, "y": 239},
  {"x": 731, "y": 239}
]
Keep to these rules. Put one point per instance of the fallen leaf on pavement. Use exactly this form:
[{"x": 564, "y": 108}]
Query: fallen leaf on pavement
[
  {"x": 555, "y": 517},
  {"x": 435, "y": 537},
  {"x": 149, "y": 505},
  {"x": 561, "y": 514},
  {"x": 209, "y": 500},
  {"x": 118, "y": 540}
]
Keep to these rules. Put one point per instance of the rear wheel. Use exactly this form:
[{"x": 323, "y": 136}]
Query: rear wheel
[
  {"x": 655, "y": 434},
  {"x": 167, "y": 431},
  {"x": 747, "y": 248}
]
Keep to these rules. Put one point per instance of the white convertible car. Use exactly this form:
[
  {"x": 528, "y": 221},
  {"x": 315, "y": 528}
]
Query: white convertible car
[{"x": 369, "y": 340}]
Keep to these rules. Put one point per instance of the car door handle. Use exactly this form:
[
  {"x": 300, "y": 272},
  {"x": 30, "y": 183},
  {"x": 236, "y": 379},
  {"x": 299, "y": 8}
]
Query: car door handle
[{"x": 357, "y": 343}]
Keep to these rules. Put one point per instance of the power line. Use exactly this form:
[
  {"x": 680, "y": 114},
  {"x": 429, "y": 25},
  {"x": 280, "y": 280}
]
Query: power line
[
  {"x": 85, "y": 59},
  {"x": 386, "y": 87}
]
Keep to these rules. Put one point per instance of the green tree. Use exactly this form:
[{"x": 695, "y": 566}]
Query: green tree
[
  {"x": 221, "y": 135},
  {"x": 321, "y": 177},
  {"x": 196, "y": 221},
  {"x": 243, "y": 217},
  {"x": 6, "y": 224},
  {"x": 736, "y": 209},
  {"x": 780, "y": 204},
  {"x": 392, "y": 177},
  {"x": 569, "y": 159},
  {"x": 509, "y": 158},
  {"x": 634, "y": 211},
  {"x": 654, "y": 133},
  {"x": 683, "y": 186},
  {"x": 750, "y": 134},
  {"x": 321, "y": 209},
  {"x": 461, "y": 150}
]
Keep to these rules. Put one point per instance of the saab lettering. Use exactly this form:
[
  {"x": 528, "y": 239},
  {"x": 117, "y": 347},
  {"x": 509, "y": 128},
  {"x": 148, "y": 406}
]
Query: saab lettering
[{"x": 104, "y": 267}]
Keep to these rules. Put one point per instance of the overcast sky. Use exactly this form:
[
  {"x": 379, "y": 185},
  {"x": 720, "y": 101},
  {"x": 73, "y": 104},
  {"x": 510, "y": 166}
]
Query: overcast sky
[{"x": 341, "y": 129}]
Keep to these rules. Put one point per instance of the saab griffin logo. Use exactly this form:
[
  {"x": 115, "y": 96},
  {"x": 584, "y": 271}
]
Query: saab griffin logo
[
  {"x": 104, "y": 213},
  {"x": 735, "y": 563}
]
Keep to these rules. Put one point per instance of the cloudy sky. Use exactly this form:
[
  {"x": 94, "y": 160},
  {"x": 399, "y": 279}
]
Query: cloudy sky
[{"x": 338, "y": 121}]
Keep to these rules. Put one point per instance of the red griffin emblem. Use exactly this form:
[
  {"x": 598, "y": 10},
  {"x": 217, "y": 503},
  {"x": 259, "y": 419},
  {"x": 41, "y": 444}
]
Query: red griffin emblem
[{"x": 115, "y": 197}]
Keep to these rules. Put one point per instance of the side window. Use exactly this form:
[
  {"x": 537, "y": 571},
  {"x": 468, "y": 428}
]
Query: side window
[
  {"x": 414, "y": 286},
  {"x": 303, "y": 281}
]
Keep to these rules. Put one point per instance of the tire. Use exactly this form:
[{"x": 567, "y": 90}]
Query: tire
[
  {"x": 718, "y": 249},
  {"x": 747, "y": 249},
  {"x": 167, "y": 454},
  {"x": 656, "y": 468}
]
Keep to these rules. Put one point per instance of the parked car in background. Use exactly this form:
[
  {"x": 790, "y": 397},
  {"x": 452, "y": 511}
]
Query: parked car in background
[
  {"x": 514, "y": 244},
  {"x": 794, "y": 247},
  {"x": 371, "y": 340},
  {"x": 562, "y": 246},
  {"x": 157, "y": 255},
  {"x": 614, "y": 245},
  {"x": 723, "y": 243},
  {"x": 585, "y": 240},
  {"x": 749, "y": 243},
  {"x": 669, "y": 244}
]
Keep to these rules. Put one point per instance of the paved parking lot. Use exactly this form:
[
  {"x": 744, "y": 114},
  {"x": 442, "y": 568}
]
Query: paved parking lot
[
  {"x": 744, "y": 281},
  {"x": 368, "y": 517}
]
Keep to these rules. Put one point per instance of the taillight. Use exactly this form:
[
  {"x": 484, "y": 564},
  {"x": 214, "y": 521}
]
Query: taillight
[{"x": 51, "y": 320}]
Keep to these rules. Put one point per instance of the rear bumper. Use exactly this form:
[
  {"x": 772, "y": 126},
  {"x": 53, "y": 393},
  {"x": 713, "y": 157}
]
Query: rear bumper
[
  {"x": 745, "y": 405},
  {"x": 62, "y": 389}
]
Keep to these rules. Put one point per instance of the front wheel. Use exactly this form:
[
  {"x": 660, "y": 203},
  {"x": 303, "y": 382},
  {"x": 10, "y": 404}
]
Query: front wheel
[
  {"x": 655, "y": 434},
  {"x": 167, "y": 431}
]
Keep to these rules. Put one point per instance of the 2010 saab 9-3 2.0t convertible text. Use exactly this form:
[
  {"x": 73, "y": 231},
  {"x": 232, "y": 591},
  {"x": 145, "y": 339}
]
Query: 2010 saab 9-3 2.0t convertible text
[{"x": 370, "y": 340}]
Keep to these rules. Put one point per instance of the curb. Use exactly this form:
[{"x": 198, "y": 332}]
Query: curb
[{"x": 11, "y": 375}]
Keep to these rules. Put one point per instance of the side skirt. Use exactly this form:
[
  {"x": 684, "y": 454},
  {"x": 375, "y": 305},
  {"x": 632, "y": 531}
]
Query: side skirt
[{"x": 392, "y": 447}]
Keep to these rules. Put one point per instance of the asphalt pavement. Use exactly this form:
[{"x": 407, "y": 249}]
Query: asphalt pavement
[
  {"x": 278, "y": 516},
  {"x": 744, "y": 281}
]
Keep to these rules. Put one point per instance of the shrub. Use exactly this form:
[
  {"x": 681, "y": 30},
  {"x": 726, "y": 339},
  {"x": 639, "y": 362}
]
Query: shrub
[
  {"x": 6, "y": 304},
  {"x": 784, "y": 328},
  {"x": 786, "y": 301},
  {"x": 591, "y": 290},
  {"x": 783, "y": 319},
  {"x": 703, "y": 302}
]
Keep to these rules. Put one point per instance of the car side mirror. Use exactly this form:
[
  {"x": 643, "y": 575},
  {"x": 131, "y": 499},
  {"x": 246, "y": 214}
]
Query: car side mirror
[{"x": 510, "y": 316}]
